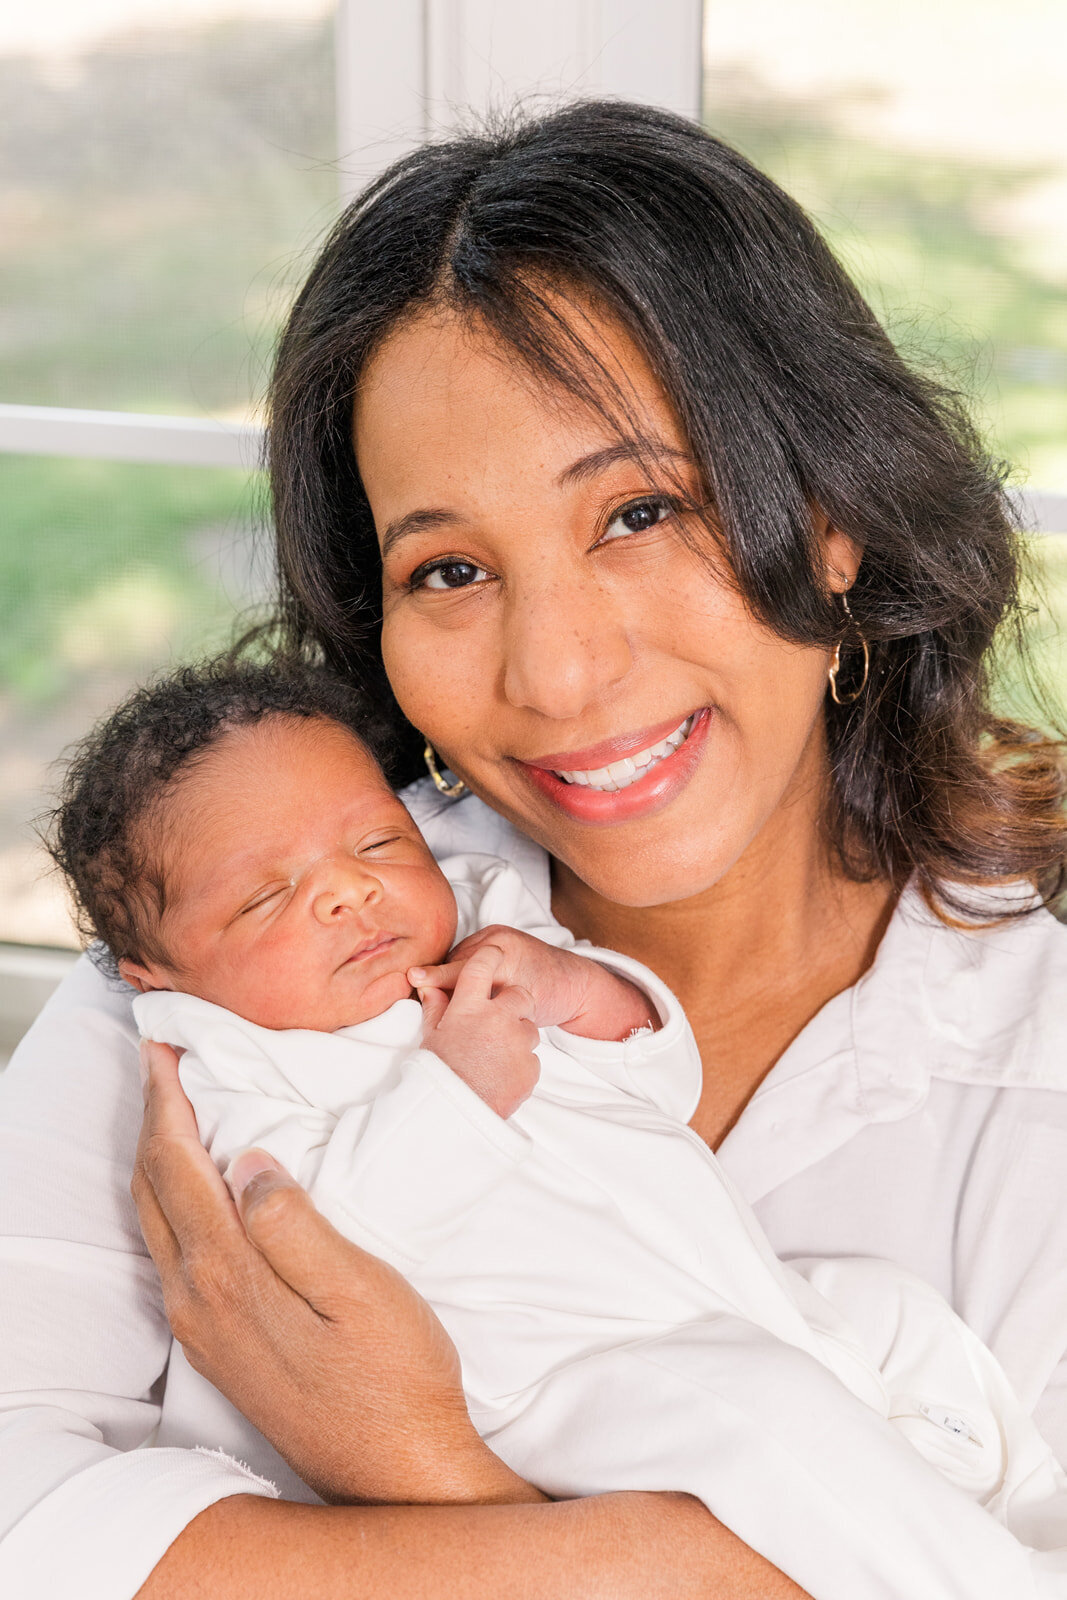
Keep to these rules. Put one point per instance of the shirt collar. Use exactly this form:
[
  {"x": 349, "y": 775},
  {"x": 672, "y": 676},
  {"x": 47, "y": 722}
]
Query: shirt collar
[{"x": 969, "y": 1005}]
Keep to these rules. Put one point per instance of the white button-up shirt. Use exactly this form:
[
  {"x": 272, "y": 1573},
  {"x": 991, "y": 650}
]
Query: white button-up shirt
[{"x": 919, "y": 1117}]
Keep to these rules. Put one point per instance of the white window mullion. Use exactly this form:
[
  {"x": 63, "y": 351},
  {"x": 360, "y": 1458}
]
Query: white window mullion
[
  {"x": 381, "y": 86},
  {"x": 129, "y": 436},
  {"x": 419, "y": 67}
]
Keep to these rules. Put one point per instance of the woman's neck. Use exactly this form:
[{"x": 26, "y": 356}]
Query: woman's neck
[{"x": 752, "y": 958}]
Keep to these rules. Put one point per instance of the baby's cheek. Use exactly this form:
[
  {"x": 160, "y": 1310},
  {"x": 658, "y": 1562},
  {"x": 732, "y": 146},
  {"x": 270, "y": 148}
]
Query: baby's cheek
[
  {"x": 259, "y": 988},
  {"x": 439, "y": 924}
]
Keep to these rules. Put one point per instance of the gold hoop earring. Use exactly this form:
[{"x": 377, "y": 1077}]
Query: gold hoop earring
[
  {"x": 452, "y": 790},
  {"x": 835, "y": 662}
]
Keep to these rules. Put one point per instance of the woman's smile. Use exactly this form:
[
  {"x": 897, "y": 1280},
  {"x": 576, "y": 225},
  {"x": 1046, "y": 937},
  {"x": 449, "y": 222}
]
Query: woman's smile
[{"x": 623, "y": 778}]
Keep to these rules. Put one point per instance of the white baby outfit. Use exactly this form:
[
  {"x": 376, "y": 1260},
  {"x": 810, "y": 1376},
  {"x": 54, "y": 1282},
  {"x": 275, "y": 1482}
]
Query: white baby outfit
[{"x": 622, "y": 1320}]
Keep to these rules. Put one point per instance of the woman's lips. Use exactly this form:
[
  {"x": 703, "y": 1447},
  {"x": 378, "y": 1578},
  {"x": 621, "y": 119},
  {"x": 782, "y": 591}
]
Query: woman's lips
[
  {"x": 654, "y": 789},
  {"x": 608, "y": 751}
]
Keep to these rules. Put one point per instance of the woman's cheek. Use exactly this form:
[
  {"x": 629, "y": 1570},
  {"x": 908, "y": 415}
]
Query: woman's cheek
[
  {"x": 414, "y": 668},
  {"x": 773, "y": 729},
  {"x": 434, "y": 681}
]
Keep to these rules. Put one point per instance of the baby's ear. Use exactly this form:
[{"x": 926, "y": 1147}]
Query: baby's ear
[{"x": 143, "y": 979}]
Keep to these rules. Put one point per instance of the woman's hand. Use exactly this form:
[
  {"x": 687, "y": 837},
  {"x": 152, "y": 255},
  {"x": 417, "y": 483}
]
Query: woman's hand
[{"x": 327, "y": 1350}]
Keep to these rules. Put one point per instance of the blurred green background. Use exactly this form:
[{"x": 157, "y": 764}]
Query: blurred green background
[{"x": 162, "y": 192}]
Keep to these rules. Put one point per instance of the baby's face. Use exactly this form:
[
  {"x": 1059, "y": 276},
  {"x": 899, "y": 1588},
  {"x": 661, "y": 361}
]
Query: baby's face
[{"x": 298, "y": 889}]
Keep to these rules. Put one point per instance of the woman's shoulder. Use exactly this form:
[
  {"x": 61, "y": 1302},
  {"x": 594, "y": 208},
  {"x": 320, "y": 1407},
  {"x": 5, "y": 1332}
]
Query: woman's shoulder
[
  {"x": 84, "y": 995},
  {"x": 991, "y": 1000},
  {"x": 70, "y": 1103}
]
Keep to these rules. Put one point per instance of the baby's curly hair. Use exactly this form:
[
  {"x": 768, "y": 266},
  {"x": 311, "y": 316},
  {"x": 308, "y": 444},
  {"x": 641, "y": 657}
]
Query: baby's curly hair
[{"x": 103, "y": 833}]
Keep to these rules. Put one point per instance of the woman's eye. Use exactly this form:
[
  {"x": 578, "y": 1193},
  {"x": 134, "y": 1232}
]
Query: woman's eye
[
  {"x": 638, "y": 516},
  {"x": 447, "y": 575}
]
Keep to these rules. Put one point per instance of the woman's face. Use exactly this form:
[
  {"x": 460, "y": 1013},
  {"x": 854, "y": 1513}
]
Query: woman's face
[{"x": 550, "y": 631}]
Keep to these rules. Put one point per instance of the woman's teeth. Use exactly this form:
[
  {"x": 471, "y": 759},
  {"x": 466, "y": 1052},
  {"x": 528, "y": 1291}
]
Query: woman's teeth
[{"x": 621, "y": 774}]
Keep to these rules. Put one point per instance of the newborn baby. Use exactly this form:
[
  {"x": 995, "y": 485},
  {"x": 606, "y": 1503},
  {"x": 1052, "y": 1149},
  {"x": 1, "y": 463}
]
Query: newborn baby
[{"x": 513, "y": 1141}]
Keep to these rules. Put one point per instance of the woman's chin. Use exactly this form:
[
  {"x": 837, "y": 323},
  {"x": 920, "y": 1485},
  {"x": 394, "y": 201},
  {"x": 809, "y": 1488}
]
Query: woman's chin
[
  {"x": 635, "y": 878},
  {"x": 660, "y": 860}
]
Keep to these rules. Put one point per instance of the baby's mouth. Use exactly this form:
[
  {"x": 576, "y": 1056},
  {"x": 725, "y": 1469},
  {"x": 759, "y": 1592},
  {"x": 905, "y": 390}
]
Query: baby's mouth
[
  {"x": 620, "y": 774},
  {"x": 375, "y": 945}
]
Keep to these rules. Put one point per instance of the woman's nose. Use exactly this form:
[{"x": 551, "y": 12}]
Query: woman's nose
[
  {"x": 346, "y": 885},
  {"x": 564, "y": 646}
]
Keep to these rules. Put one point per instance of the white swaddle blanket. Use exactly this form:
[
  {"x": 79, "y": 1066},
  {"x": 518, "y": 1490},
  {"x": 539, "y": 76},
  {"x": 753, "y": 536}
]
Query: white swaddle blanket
[{"x": 622, "y": 1322}]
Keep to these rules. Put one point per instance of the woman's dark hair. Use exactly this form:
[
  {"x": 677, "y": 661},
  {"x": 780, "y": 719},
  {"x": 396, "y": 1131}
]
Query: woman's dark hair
[
  {"x": 106, "y": 832},
  {"x": 794, "y": 402}
]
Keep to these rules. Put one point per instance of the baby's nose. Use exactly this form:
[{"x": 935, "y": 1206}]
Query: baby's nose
[{"x": 346, "y": 885}]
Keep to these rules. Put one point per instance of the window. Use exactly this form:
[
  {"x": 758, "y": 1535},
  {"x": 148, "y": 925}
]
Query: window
[{"x": 165, "y": 171}]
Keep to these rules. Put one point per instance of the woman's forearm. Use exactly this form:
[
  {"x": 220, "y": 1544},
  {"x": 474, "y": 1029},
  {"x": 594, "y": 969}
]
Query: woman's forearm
[
  {"x": 284, "y": 1285},
  {"x": 609, "y": 1547}
]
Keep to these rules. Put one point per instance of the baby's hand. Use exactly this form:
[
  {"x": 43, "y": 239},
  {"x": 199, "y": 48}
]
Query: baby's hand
[
  {"x": 565, "y": 990},
  {"x": 483, "y": 1030}
]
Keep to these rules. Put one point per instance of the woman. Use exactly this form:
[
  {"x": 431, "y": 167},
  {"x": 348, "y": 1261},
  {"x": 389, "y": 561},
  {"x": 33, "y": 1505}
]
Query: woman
[{"x": 581, "y": 441}]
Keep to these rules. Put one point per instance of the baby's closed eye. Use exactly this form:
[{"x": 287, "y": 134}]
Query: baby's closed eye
[{"x": 265, "y": 896}]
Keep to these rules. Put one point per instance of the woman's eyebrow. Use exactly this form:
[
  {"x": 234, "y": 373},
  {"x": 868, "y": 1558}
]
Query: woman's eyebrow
[
  {"x": 599, "y": 461},
  {"x": 580, "y": 471},
  {"x": 415, "y": 522}
]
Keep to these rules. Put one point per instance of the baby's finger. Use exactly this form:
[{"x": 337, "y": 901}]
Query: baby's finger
[
  {"x": 466, "y": 947},
  {"x": 440, "y": 977},
  {"x": 434, "y": 1006}
]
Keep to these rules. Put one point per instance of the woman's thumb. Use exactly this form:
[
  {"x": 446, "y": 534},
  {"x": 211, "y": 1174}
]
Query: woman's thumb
[
  {"x": 270, "y": 1202},
  {"x": 252, "y": 1176},
  {"x": 299, "y": 1244}
]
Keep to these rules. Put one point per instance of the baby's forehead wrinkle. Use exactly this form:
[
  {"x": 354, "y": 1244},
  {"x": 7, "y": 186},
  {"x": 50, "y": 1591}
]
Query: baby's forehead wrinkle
[{"x": 188, "y": 868}]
